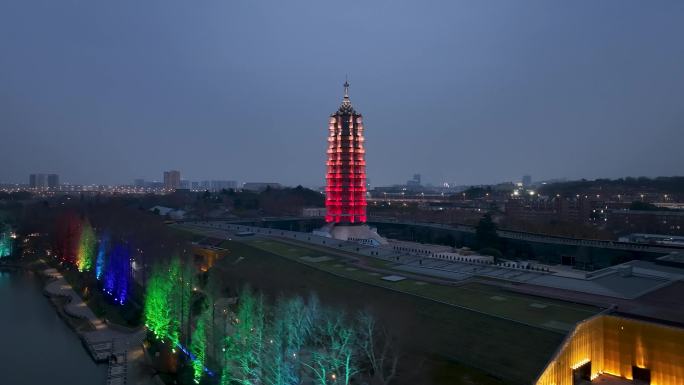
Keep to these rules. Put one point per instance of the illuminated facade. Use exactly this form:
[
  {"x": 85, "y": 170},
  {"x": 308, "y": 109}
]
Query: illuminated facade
[
  {"x": 618, "y": 346},
  {"x": 345, "y": 190}
]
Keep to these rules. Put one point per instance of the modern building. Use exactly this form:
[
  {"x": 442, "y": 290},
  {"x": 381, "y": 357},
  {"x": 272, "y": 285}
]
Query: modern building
[
  {"x": 260, "y": 186},
  {"x": 43, "y": 181},
  {"x": 619, "y": 350},
  {"x": 213, "y": 185},
  {"x": 168, "y": 212},
  {"x": 670, "y": 222},
  {"x": 172, "y": 179},
  {"x": 527, "y": 180},
  {"x": 654, "y": 239},
  {"x": 345, "y": 191},
  {"x": 414, "y": 183},
  {"x": 53, "y": 180},
  {"x": 218, "y": 185},
  {"x": 532, "y": 209},
  {"x": 35, "y": 180}
]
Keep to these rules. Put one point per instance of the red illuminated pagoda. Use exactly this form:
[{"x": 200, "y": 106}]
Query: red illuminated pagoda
[{"x": 345, "y": 189}]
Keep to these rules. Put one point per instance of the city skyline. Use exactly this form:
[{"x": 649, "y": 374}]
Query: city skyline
[
  {"x": 425, "y": 181},
  {"x": 471, "y": 87},
  {"x": 341, "y": 193}
]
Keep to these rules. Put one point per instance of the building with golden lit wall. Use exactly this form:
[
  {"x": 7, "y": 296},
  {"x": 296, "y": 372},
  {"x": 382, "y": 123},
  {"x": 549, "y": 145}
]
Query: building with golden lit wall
[
  {"x": 205, "y": 257},
  {"x": 621, "y": 347}
]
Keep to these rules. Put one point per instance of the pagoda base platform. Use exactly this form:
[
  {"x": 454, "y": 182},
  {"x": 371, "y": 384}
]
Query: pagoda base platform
[{"x": 361, "y": 233}]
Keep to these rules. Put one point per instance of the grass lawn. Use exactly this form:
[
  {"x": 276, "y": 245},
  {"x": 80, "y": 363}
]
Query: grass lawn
[
  {"x": 450, "y": 373},
  {"x": 505, "y": 349},
  {"x": 492, "y": 300}
]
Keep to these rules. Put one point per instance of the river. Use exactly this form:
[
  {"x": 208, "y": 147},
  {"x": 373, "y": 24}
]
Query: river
[{"x": 36, "y": 346}]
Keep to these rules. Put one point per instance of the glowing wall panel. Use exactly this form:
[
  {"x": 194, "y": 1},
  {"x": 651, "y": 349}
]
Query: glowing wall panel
[{"x": 613, "y": 345}]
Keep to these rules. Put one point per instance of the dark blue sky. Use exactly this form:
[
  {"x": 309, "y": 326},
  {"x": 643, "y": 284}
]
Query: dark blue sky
[{"x": 460, "y": 91}]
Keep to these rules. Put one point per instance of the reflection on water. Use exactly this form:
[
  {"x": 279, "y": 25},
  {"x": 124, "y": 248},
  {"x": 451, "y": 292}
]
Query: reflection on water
[{"x": 37, "y": 346}]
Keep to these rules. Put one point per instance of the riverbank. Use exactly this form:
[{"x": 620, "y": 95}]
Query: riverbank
[{"x": 122, "y": 348}]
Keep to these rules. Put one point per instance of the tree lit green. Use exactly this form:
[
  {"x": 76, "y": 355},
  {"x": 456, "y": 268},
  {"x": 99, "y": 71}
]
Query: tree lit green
[
  {"x": 86, "y": 247},
  {"x": 5, "y": 244},
  {"x": 157, "y": 310},
  {"x": 198, "y": 347},
  {"x": 167, "y": 301},
  {"x": 258, "y": 343},
  {"x": 182, "y": 278}
]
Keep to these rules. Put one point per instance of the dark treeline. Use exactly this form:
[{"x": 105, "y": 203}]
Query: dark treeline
[
  {"x": 672, "y": 185},
  {"x": 121, "y": 220},
  {"x": 270, "y": 202}
]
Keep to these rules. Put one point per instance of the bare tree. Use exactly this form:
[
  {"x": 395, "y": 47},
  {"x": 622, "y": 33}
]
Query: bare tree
[
  {"x": 334, "y": 353},
  {"x": 379, "y": 348}
]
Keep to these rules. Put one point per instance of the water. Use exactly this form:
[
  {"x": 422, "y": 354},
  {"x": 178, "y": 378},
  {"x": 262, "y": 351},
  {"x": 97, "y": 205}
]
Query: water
[{"x": 36, "y": 346}]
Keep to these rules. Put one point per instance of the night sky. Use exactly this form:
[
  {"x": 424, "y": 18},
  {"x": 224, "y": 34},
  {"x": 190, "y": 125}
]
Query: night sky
[{"x": 460, "y": 91}]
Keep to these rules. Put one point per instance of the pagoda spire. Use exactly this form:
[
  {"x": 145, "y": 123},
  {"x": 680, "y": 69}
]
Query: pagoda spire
[{"x": 346, "y": 106}]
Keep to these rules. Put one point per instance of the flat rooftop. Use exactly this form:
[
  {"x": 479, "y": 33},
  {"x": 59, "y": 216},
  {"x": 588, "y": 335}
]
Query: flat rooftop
[{"x": 672, "y": 259}]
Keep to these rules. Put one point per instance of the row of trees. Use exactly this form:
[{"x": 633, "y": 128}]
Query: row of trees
[
  {"x": 290, "y": 341},
  {"x": 168, "y": 298},
  {"x": 671, "y": 185},
  {"x": 78, "y": 245},
  {"x": 295, "y": 341},
  {"x": 272, "y": 201}
]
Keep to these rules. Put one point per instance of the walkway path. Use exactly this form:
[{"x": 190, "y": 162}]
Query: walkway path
[{"x": 119, "y": 346}]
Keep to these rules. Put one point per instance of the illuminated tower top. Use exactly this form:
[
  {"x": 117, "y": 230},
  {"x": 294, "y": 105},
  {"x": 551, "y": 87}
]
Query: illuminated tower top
[
  {"x": 346, "y": 106},
  {"x": 346, "y": 166}
]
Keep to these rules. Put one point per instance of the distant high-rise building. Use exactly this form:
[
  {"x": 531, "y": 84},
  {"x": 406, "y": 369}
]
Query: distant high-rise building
[
  {"x": 43, "y": 180},
  {"x": 415, "y": 182},
  {"x": 53, "y": 180},
  {"x": 345, "y": 191},
  {"x": 527, "y": 180},
  {"x": 172, "y": 179}
]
